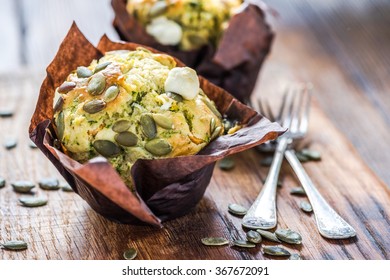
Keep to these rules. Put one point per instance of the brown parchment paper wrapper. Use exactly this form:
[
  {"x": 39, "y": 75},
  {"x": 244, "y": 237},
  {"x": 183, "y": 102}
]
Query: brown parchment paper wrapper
[
  {"x": 234, "y": 65},
  {"x": 165, "y": 188}
]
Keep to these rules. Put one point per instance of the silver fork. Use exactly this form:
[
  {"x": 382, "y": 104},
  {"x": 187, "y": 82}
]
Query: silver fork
[
  {"x": 329, "y": 223},
  {"x": 262, "y": 213}
]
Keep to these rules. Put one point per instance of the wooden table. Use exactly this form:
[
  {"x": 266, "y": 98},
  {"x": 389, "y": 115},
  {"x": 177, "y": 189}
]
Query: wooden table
[{"x": 341, "y": 48}]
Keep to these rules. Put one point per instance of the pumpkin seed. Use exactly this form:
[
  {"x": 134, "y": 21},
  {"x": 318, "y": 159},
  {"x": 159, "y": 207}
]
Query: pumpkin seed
[
  {"x": 158, "y": 147},
  {"x": 158, "y": 9},
  {"x": 60, "y": 124},
  {"x": 253, "y": 236},
  {"x": 148, "y": 126},
  {"x": 163, "y": 121},
  {"x": 65, "y": 187},
  {"x": 50, "y": 184},
  {"x": 295, "y": 257},
  {"x": 59, "y": 104},
  {"x": 175, "y": 96},
  {"x": 83, "y": 72},
  {"x": 298, "y": 191},
  {"x": 267, "y": 161},
  {"x": 288, "y": 236},
  {"x": 101, "y": 66},
  {"x": 2, "y": 182},
  {"x": 97, "y": 84},
  {"x": 211, "y": 106},
  {"x": 126, "y": 139},
  {"x": 130, "y": 254},
  {"x": 6, "y": 113},
  {"x": 66, "y": 87},
  {"x": 10, "y": 143},
  {"x": 94, "y": 106},
  {"x": 226, "y": 163},
  {"x": 237, "y": 209},
  {"x": 14, "y": 245},
  {"x": 22, "y": 186},
  {"x": 212, "y": 125},
  {"x": 121, "y": 126},
  {"x": 301, "y": 157},
  {"x": 33, "y": 201},
  {"x": 243, "y": 243},
  {"x": 275, "y": 251},
  {"x": 111, "y": 93},
  {"x": 106, "y": 148},
  {"x": 268, "y": 235},
  {"x": 214, "y": 241},
  {"x": 216, "y": 133},
  {"x": 306, "y": 206},
  {"x": 311, "y": 154}
]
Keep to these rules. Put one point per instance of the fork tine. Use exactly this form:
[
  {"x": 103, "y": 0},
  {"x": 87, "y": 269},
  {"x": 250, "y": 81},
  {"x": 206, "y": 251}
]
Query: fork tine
[
  {"x": 306, "y": 109},
  {"x": 282, "y": 107}
]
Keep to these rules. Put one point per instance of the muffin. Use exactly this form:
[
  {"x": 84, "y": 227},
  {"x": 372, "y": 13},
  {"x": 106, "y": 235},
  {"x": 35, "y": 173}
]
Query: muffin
[
  {"x": 187, "y": 24},
  {"x": 131, "y": 105}
]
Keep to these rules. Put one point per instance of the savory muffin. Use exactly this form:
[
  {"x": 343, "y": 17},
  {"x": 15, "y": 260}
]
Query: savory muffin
[
  {"x": 188, "y": 24},
  {"x": 131, "y": 105}
]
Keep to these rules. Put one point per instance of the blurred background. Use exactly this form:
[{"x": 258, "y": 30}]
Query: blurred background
[{"x": 342, "y": 47}]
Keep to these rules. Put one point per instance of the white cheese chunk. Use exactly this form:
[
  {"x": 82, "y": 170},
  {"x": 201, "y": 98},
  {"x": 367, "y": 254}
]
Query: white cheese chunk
[{"x": 183, "y": 81}]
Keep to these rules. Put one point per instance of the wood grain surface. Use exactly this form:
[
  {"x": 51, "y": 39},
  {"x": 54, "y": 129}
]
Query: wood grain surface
[{"x": 332, "y": 45}]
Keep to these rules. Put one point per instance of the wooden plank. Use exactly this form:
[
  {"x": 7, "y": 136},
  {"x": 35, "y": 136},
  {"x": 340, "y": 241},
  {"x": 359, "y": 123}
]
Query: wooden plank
[
  {"x": 67, "y": 228},
  {"x": 10, "y": 30}
]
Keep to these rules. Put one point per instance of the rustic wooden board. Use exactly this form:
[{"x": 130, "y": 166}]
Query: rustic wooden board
[{"x": 67, "y": 228}]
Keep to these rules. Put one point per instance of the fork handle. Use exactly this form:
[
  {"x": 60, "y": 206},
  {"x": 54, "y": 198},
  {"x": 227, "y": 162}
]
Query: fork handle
[
  {"x": 262, "y": 213},
  {"x": 329, "y": 223}
]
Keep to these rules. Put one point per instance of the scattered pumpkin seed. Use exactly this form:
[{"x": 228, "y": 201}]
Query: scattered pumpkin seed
[
  {"x": 130, "y": 254},
  {"x": 158, "y": 8},
  {"x": 94, "y": 106},
  {"x": 83, "y": 72},
  {"x": 126, "y": 138},
  {"x": 158, "y": 147},
  {"x": 226, "y": 163},
  {"x": 175, "y": 96},
  {"x": 106, "y": 148},
  {"x": 121, "y": 126},
  {"x": 59, "y": 104},
  {"x": 275, "y": 251},
  {"x": 33, "y": 201},
  {"x": 2, "y": 182},
  {"x": 14, "y": 245},
  {"x": 267, "y": 161},
  {"x": 214, "y": 241},
  {"x": 22, "y": 186},
  {"x": 278, "y": 184},
  {"x": 50, "y": 184},
  {"x": 148, "y": 126},
  {"x": 6, "y": 113},
  {"x": 243, "y": 243},
  {"x": 306, "y": 206},
  {"x": 302, "y": 158},
  {"x": 311, "y": 154},
  {"x": 65, "y": 187},
  {"x": 97, "y": 84},
  {"x": 101, "y": 66},
  {"x": 298, "y": 191},
  {"x": 211, "y": 106},
  {"x": 216, "y": 133},
  {"x": 288, "y": 236},
  {"x": 60, "y": 124},
  {"x": 295, "y": 257},
  {"x": 253, "y": 236},
  {"x": 237, "y": 209},
  {"x": 66, "y": 87},
  {"x": 268, "y": 235},
  {"x": 111, "y": 93},
  {"x": 10, "y": 143},
  {"x": 163, "y": 121}
]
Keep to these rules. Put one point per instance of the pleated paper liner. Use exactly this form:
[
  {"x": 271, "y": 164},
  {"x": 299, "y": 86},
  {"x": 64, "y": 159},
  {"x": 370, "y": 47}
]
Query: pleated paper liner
[
  {"x": 165, "y": 188},
  {"x": 233, "y": 65}
]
